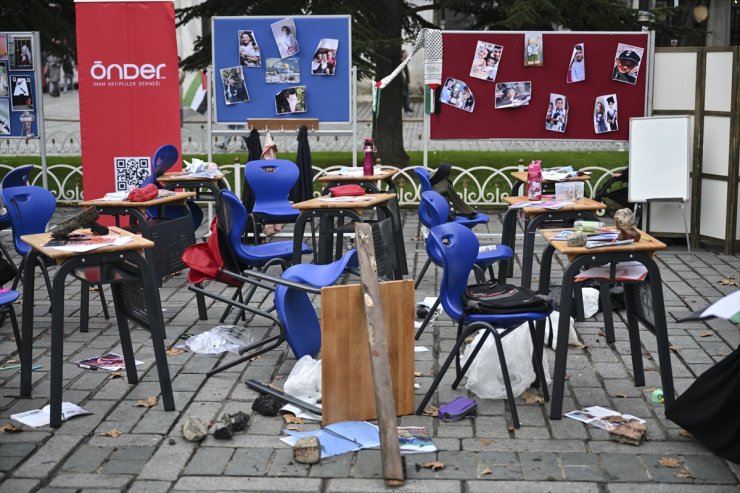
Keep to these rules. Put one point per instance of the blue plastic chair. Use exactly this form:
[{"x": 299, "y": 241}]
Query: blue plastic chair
[
  {"x": 271, "y": 181},
  {"x": 17, "y": 177},
  {"x": 423, "y": 175},
  {"x": 455, "y": 247}
]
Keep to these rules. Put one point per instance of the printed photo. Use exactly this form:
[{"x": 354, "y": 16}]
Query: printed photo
[
  {"x": 513, "y": 94},
  {"x": 286, "y": 37},
  {"x": 20, "y": 55},
  {"x": 605, "y": 114},
  {"x": 280, "y": 71},
  {"x": 3, "y": 46},
  {"x": 291, "y": 100},
  {"x": 249, "y": 50},
  {"x": 4, "y": 117},
  {"x": 108, "y": 361},
  {"x": 457, "y": 93},
  {"x": 486, "y": 61},
  {"x": 4, "y": 88},
  {"x": 533, "y": 50},
  {"x": 324, "y": 61},
  {"x": 21, "y": 92},
  {"x": 577, "y": 67},
  {"x": 235, "y": 85},
  {"x": 627, "y": 62},
  {"x": 557, "y": 113}
]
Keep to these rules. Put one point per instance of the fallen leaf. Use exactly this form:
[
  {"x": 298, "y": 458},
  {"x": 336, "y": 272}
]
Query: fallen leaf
[
  {"x": 684, "y": 433},
  {"x": 728, "y": 281},
  {"x": 10, "y": 428},
  {"x": 470, "y": 339},
  {"x": 706, "y": 333},
  {"x": 675, "y": 348},
  {"x": 115, "y": 374},
  {"x": 112, "y": 433},
  {"x": 174, "y": 351},
  {"x": 684, "y": 474},
  {"x": 150, "y": 401},
  {"x": 418, "y": 374},
  {"x": 291, "y": 419},
  {"x": 486, "y": 441},
  {"x": 621, "y": 395},
  {"x": 670, "y": 462},
  {"x": 511, "y": 428},
  {"x": 294, "y": 428},
  {"x": 567, "y": 376},
  {"x": 254, "y": 358},
  {"x": 578, "y": 345},
  {"x": 486, "y": 471},
  {"x": 11, "y": 360},
  {"x": 532, "y": 398},
  {"x": 602, "y": 333},
  {"x": 434, "y": 466},
  {"x": 431, "y": 411}
]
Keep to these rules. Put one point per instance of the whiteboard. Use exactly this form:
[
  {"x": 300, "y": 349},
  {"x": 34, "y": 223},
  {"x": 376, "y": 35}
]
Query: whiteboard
[{"x": 660, "y": 158}]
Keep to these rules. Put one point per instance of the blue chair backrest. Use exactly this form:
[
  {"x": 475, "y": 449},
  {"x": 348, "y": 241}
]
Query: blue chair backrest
[
  {"x": 164, "y": 158},
  {"x": 423, "y": 175},
  {"x": 234, "y": 217},
  {"x": 433, "y": 209},
  {"x": 30, "y": 209},
  {"x": 271, "y": 181},
  {"x": 18, "y": 177},
  {"x": 455, "y": 247}
]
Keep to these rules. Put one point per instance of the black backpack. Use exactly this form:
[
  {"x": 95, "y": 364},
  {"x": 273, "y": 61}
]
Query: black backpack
[
  {"x": 502, "y": 299},
  {"x": 441, "y": 183}
]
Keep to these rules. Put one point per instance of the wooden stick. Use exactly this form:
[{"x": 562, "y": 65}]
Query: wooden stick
[{"x": 385, "y": 405}]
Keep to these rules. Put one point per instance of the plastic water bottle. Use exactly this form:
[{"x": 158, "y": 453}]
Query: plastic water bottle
[
  {"x": 534, "y": 180},
  {"x": 367, "y": 164}
]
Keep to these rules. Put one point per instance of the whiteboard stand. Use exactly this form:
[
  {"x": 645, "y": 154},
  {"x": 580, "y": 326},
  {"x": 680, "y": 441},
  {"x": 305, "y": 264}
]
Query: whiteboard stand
[{"x": 682, "y": 205}]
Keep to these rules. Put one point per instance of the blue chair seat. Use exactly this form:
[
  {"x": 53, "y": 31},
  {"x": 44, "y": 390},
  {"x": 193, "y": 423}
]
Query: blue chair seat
[
  {"x": 277, "y": 213},
  {"x": 8, "y": 297},
  {"x": 259, "y": 255},
  {"x": 487, "y": 258},
  {"x": 470, "y": 222}
]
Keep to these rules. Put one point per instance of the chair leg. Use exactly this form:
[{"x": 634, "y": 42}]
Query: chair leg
[
  {"x": 606, "y": 310},
  {"x": 537, "y": 353},
  {"x": 422, "y": 272},
  {"x": 440, "y": 374},
  {"x": 14, "y": 324},
  {"x": 507, "y": 380},
  {"x": 201, "y": 302},
  {"x": 427, "y": 319},
  {"x": 84, "y": 306},
  {"x": 462, "y": 371},
  {"x": 6, "y": 254},
  {"x": 45, "y": 273},
  {"x": 101, "y": 293}
]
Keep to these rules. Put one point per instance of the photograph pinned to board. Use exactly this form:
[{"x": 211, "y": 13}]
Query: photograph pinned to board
[
  {"x": 577, "y": 67},
  {"x": 513, "y": 94},
  {"x": 486, "y": 60},
  {"x": 3, "y": 46},
  {"x": 20, "y": 50},
  {"x": 605, "y": 114},
  {"x": 22, "y": 92},
  {"x": 235, "y": 85},
  {"x": 324, "y": 61},
  {"x": 282, "y": 70},
  {"x": 4, "y": 84},
  {"x": 249, "y": 50},
  {"x": 556, "y": 119},
  {"x": 291, "y": 100},
  {"x": 4, "y": 117},
  {"x": 627, "y": 62},
  {"x": 457, "y": 93},
  {"x": 286, "y": 37},
  {"x": 533, "y": 50}
]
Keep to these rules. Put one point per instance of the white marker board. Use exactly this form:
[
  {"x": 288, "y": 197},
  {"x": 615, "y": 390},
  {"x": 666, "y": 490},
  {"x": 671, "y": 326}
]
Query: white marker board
[{"x": 660, "y": 158}]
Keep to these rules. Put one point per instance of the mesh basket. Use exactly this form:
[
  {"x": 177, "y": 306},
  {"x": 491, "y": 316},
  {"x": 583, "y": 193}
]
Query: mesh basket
[{"x": 171, "y": 237}]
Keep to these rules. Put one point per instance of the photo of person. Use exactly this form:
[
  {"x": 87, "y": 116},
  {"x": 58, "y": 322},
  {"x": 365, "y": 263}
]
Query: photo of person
[
  {"x": 599, "y": 117},
  {"x": 285, "y": 35},
  {"x": 249, "y": 50},
  {"x": 21, "y": 93},
  {"x": 4, "y": 117},
  {"x": 324, "y": 60},
  {"x": 20, "y": 56},
  {"x": 280, "y": 71},
  {"x": 291, "y": 100},
  {"x": 108, "y": 361},
  {"x": 611, "y": 112},
  {"x": 4, "y": 88},
  {"x": 457, "y": 93},
  {"x": 234, "y": 84},
  {"x": 533, "y": 50},
  {"x": 486, "y": 61},
  {"x": 3, "y": 46},
  {"x": 577, "y": 67},
  {"x": 513, "y": 94},
  {"x": 556, "y": 119},
  {"x": 627, "y": 63}
]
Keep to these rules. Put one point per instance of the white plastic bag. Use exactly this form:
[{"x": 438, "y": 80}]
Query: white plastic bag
[
  {"x": 485, "y": 378},
  {"x": 590, "y": 302},
  {"x": 217, "y": 340},
  {"x": 304, "y": 381},
  {"x": 555, "y": 319}
]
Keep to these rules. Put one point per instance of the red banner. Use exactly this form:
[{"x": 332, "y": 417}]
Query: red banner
[{"x": 129, "y": 90}]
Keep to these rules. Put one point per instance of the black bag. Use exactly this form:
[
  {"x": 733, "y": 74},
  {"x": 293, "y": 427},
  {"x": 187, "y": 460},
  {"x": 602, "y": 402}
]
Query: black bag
[
  {"x": 502, "y": 299},
  {"x": 440, "y": 180},
  {"x": 7, "y": 272}
]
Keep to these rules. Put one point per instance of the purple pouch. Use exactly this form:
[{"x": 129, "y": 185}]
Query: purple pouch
[{"x": 457, "y": 409}]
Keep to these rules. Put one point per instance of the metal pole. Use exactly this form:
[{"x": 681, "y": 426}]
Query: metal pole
[
  {"x": 40, "y": 107},
  {"x": 353, "y": 110}
]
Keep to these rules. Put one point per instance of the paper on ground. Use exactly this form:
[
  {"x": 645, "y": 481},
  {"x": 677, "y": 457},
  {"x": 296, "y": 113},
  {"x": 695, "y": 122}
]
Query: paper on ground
[
  {"x": 301, "y": 413},
  {"x": 112, "y": 239},
  {"x": 42, "y": 417},
  {"x": 594, "y": 416}
]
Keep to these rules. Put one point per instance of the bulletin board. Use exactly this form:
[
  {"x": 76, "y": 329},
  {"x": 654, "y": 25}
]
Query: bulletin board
[
  {"x": 20, "y": 95},
  {"x": 327, "y": 96},
  {"x": 528, "y": 122}
]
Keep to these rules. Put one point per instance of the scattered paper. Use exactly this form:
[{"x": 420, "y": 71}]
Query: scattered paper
[
  {"x": 346, "y": 198},
  {"x": 624, "y": 271},
  {"x": 86, "y": 242},
  {"x": 301, "y": 413},
  {"x": 108, "y": 362},
  {"x": 596, "y": 416},
  {"x": 420, "y": 349},
  {"x": 415, "y": 440},
  {"x": 42, "y": 417}
]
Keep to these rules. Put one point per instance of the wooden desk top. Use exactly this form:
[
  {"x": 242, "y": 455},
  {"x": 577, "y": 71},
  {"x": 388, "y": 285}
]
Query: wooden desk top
[
  {"x": 522, "y": 177},
  {"x": 173, "y": 176},
  {"x": 37, "y": 240},
  {"x": 384, "y": 174},
  {"x": 646, "y": 244},
  {"x": 358, "y": 204},
  {"x": 584, "y": 204},
  {"x": 177, "y": 197}
]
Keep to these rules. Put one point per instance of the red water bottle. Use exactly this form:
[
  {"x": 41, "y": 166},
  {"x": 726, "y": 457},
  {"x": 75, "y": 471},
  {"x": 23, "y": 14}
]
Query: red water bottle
[
  {"x": 367, "y": 164},
  {"x": 534, "y": 180}
]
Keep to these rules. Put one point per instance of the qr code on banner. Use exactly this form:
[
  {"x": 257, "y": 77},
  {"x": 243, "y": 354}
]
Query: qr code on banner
[{"x": 131, "y": 171}]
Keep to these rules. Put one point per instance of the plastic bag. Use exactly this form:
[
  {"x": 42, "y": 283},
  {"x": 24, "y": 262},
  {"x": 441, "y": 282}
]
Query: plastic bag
[
  {"x": 590, "y": 302},
  {"x": 551, "y": 331},
  {"x": 484, "y": 375},
  {"x": 304, "y": 381},
  {"x": 217, "y": 340}
]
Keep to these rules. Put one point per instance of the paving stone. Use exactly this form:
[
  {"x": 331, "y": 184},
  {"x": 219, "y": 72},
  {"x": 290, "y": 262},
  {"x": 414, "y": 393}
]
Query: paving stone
[
  {"x": 332, "y": 467},
  {"x": 283, "y": 464},
  {"x": 378, "y": 486},
  {"x": 540, "y": 466},
  {"x": 150, "y": 487},
  {"x": 209, "y": 461},
  {"x": 249, "y": 462},
  {"x": 168, "y": 462},
  {"x": 582, "y": 467},
  {"x": 46, "y": 458},
  {"x": 670, "y": 488},
  {"x": 624, "y": 467},
  {"x": 131, "y": 467},
  {"x": 207, "y": 483},
  {"x": 502, "y": 466},
  {"x": 86, "y": 459},
  {"x": 14, "y": 485},
  {"x": 532, "y": 487},
  {"x": 81, "y": 480}
]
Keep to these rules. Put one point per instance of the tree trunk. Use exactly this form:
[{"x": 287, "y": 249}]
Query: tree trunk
[{"x": 388, "y": 128}]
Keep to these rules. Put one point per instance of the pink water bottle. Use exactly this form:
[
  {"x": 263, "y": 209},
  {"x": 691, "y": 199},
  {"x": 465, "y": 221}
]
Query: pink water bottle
[
  {"x": 367, "y": 164},
  {"x": 534, "y": 180}
]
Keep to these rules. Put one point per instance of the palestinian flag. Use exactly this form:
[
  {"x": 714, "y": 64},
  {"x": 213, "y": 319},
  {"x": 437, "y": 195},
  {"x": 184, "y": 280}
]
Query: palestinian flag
[{"x": 195, "y": 96}]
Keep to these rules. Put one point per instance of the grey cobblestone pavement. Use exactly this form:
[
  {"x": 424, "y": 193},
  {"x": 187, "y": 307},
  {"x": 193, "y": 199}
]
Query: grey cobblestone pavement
[{"x": 480, "y": 455}]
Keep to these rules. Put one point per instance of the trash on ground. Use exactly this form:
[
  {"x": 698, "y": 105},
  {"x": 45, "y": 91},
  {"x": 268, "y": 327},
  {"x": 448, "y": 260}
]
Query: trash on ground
[
  {"x": 623, "y": 428},
  {"x": 42, "y": 417},
  {"x": 304, "y": 381},
  {"x": 217, "y": 340}
]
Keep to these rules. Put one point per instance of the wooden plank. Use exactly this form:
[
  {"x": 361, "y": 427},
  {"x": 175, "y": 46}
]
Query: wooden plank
[
  {"x": 346, "y": 380},
  {"x": 263, "y": 124},
  {"x": 390, "y": 451}
]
